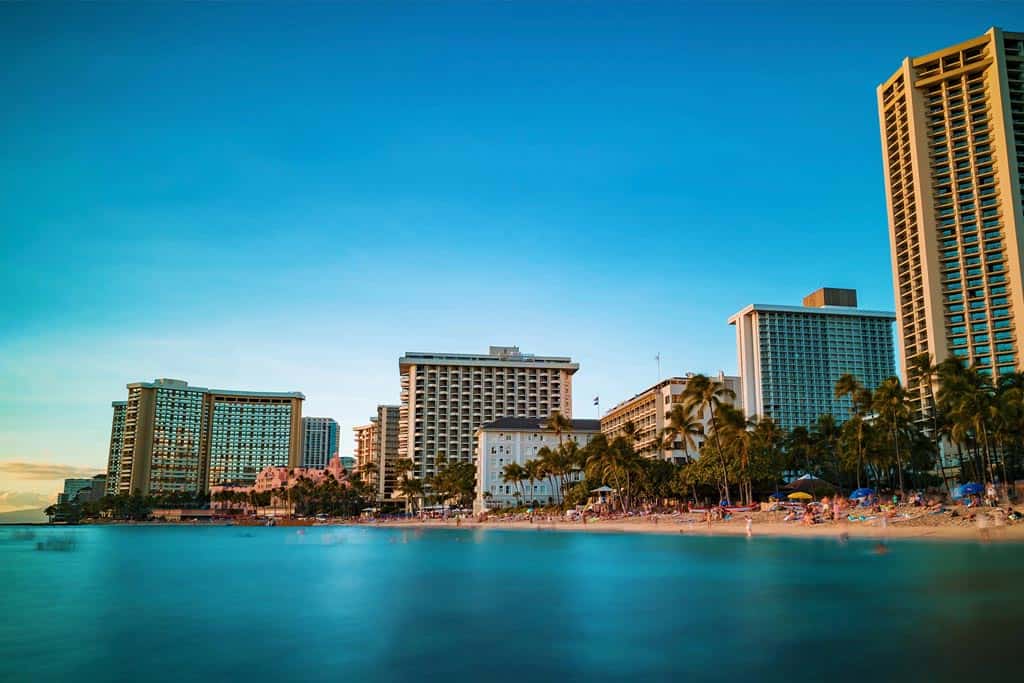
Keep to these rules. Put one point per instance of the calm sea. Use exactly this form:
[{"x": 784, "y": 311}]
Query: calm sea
[{"x": 362, "y": 604}]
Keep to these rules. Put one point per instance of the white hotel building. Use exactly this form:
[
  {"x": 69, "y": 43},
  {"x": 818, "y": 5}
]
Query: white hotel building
[
  {"x": 516, "y": 440},
  {"x": 649, "y": 411},
  {"x": 447, "y": 396},
  {"x": 791, "y": 356}
]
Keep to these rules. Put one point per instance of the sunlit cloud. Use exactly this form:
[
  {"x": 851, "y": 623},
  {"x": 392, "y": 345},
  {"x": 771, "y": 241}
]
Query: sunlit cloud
[
  {"x": 43, "y": 471},
  {"x": 16, "y": 500}
]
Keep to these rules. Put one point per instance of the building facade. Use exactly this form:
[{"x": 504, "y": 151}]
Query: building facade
[
  {"x": 319, "y": 441},
  {"x": 446, "y": 397},
  {"x": 387, "y": 450},
  {"x": 516, "y": 440},
  {"x": 791, "y": 356},
  {"x": 649, "y": 413},
  {"x": 280, "y": 479},
  {"x": 116, "y": 443},
  {"x": 180, "y": 438},
  {"x": 366, "y": 452},
  {"x": 952, "y": 130},
  {"x": 72, "y": 487}
]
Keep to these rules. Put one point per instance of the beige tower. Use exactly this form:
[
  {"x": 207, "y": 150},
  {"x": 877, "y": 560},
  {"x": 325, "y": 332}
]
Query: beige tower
[{"x": 952, "y": 125}]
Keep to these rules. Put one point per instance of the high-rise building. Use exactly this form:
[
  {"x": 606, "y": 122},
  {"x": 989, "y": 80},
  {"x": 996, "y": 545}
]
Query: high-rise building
[
  {"x": 367, "y": 466},
  {"x": 446, "y": 397},
  {"x": 387, "y": 449},
  {"x": 649, "y": 413},
  {"x": 180, "y": 438},
  {"x": 791, "y": 356},
  {"x": 116, "y": 442},
  {"x": 952, "y": 125},
  {"x": 319, "y": 441},
  {"x": 72, "y": 487},
  {"x": 516, "y": 440}
]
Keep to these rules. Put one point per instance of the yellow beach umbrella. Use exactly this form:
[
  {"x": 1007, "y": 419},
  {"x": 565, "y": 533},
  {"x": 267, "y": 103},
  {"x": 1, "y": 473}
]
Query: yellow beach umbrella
[{"x": 800, "y": 495}]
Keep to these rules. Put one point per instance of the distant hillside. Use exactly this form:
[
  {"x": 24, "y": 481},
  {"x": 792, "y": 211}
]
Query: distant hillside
[{"x": 23, "y": 516}]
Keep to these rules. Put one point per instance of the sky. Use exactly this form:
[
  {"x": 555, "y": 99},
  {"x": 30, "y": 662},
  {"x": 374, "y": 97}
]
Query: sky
[{"x": 288, "y": 197}]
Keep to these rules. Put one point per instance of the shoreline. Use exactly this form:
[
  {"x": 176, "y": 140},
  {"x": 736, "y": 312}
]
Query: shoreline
[{"x": 674, "y": 526}]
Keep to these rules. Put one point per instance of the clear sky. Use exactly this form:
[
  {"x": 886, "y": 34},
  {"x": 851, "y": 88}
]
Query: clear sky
[{"x": 286, "y": 197}]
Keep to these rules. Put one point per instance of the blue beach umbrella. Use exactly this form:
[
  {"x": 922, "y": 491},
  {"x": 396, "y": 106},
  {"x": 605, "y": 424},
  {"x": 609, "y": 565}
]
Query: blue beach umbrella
[
  {"x": 777, "y": 496},
  {"x": 970, "y": 488},
  {"x": 862, "y": 493}
]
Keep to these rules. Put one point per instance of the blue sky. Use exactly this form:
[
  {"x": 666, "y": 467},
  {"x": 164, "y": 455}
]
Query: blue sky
[{"x": 289, "y": 197}]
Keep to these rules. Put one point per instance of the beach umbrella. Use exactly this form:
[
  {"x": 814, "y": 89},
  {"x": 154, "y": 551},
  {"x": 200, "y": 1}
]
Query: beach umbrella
[
  {"x": 810, "y": 484},
  {"x": 800, "y": 495},
  {"x": 862, "y": 493},
  {"x": 777, "y": 496},
  {"x": 971, "y": 489}
]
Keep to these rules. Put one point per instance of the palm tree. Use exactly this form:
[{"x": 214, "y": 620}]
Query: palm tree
[
  {"x": 513, "y": 473},
  {"x": 410, "y": 488},
  {"x": 849, "y": 385},
  {"x": 707, "y": 393},
  {"x": 534, "y": 473},
  {"x": 550, "y": 466},
  {"x": 558, "y": 423},
  {"x": 825, "y": 439},
  {"x": 924, "y": 373},
  {"x": 890, "y": 404},
  {"x": 684, "y": 426}
]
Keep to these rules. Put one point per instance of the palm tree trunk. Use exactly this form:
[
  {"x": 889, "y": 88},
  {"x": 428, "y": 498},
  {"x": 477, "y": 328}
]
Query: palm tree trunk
[{"x": 721, "y": 453}]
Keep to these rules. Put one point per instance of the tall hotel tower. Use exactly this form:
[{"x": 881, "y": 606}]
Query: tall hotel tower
[
  {"x": 170, "y": 437},
  {"x": 445, "y": 397},
  {"x": 952, "y": 125}
]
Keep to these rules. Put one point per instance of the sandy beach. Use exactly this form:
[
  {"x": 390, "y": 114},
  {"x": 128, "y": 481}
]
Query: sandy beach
[{"x": 920, "y": 527}]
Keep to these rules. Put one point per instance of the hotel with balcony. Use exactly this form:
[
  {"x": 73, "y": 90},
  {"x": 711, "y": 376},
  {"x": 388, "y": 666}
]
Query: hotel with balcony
[
  {"x": 952, "y": 130},
  {"x": 181, "y": 438},
  {"x": 790, "y": 357},
  {"x": 516, "y": 440},
  {"x": 446, "y": 397},
  {"x": 116, "y": 443},
  {"x": 649, "y": 412},
  {"x": 365, "y": 452}
]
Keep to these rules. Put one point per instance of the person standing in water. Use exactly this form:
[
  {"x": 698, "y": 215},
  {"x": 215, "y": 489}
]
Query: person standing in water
[{"x": 750, "y": 524}]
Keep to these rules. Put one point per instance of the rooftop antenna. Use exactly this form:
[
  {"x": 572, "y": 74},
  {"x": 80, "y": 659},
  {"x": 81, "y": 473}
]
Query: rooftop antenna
[{"x": 657, "y": 357}]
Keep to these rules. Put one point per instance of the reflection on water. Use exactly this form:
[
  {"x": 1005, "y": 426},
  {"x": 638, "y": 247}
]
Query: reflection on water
[{"x": 380, "y": 604}]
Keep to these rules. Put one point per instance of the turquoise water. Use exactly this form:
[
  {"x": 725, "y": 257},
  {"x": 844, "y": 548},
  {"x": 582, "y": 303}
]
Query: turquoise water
[{"x": 364, "y": 604}]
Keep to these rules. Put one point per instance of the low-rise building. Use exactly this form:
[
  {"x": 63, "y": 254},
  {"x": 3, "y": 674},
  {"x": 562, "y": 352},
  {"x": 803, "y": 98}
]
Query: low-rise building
[
  {"x": 517, "y": 440},
  {"x": 280, "y": 479},
  {"x": 649, "y": 413}
]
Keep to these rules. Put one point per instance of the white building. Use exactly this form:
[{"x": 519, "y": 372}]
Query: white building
[
  {"x": 649, "y": 412},
  {"x": 791, "y": 356},
  {"x": 516, "y": 440},
  {"x": 445, "y": 397}
]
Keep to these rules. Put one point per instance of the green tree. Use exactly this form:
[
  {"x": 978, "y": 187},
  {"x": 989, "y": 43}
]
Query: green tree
[{"x": 705, "y": 393}]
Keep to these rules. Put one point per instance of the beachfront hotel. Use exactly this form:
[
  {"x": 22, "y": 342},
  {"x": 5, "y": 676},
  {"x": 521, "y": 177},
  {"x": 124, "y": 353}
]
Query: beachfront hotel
[
  {"x": 181, "y": 438},
  {"x": 791, "y": 356},
  {"x": 319, "y": 441},
  {"x": 116, "y": 442},
  {"x": 649, "y": 412},
  {"x": 376, "y": 451},
  {"x": 447, "y": 396},
  {"x": 516, "y": 440},
  {"x": 950, "y": 122},
  {"x": 366, "y": 452},
  {"x": 387, "y": 449}
]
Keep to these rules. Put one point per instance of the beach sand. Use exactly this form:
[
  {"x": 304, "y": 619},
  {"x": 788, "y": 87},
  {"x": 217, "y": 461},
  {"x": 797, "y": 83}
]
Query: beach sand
[{"x": 922, "y": 527}]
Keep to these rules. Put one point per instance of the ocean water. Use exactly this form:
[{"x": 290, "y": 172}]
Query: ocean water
[{"x": 223, "y": 604}]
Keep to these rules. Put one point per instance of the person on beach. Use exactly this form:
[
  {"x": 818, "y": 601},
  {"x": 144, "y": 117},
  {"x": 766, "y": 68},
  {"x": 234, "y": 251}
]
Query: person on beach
[{"x": 750, "y": 524}]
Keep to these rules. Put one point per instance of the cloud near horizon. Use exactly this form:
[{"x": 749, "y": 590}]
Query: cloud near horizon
[
  {"x": 17, "y": 500},
  {"x": 45, "y": 471}
]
